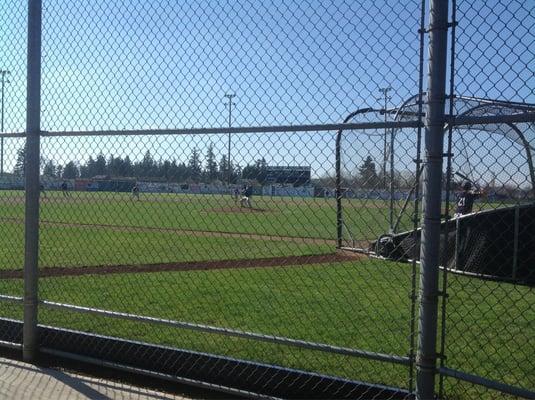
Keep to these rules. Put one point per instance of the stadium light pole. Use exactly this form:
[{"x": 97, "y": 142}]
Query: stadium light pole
[
  {"x": 3, "y": 73},
  {"x": 230, "y": 104},
  {"x": 386, "y": 97}
]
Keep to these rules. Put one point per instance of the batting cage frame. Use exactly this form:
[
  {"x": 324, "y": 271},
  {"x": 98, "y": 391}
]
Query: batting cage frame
[{"x": 508, "y": 119}]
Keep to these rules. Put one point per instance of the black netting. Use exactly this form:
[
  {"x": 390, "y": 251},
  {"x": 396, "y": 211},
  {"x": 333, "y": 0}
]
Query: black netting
[{"x": 496, "y": 244}]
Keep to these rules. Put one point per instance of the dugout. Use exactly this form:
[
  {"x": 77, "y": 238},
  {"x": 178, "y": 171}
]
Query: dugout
[{"x": 378, "y": 173}]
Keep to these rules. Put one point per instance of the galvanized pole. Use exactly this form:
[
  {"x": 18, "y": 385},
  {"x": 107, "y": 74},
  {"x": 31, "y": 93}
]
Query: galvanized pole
[
  {"x": 515, "y": 241},
  {"x": 426, "y": 357},
  {"x": 31, "y": 173},
  {"x": 229, "y": 97},
  {"x": 3, "y": 73},
  {"x": 338, "y": 191},
  {"x": 385, "y": 91},
  {"x": 391, "y": 211}
]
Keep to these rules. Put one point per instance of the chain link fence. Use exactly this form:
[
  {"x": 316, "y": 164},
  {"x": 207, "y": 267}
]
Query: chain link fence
[{"x": 246, "y": 180}]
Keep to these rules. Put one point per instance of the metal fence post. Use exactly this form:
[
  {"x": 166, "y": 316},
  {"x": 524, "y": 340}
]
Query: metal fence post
[
  {"x": 392, "y": 171},
  {"x": 31, "y": 173},
  {"x": 515, "y": 242},
  {"x": 338, "y": 191},
  {"x": 432, "y": 192}
]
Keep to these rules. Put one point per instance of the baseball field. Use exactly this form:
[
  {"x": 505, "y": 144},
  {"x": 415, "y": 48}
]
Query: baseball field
[{"x": 272, "y": 269}]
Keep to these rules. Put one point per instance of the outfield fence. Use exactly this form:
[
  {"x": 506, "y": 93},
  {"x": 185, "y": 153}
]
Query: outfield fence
[{"x": 265, "y": 198}]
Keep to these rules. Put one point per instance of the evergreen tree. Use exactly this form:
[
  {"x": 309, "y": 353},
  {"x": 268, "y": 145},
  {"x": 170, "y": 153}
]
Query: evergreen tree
[
  {"x": 83, "y": 171},
  {"x": 70, "y": 171},
  {"x": 178, "y": 172},
  {"x": 59, "y": 171},
  {"x": 118, "y": 167},
  {"x": 211, "y": 164},
  {"x": 50, "y": 169},
  {"x": 166, "y": 170},
  {"x": 223, "y": 169},
  {"x": 368, "y": 174},
  {"x": 257, "y": 171},
  {"x": 249, "y": 172},
  {"x": 147, "y": 166},
  {"x": 88, "y": 171},
  {"x": 20, "y": 163},
  {"x": 194, "y": 166},
  {"x": 128, "y": 167},
  {"x": 100, "y": 166},
  {"x": 261, "y": 170}
]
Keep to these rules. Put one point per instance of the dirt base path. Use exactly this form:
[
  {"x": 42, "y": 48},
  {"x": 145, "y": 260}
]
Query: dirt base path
[
  {"x": 188, "y": 266},
  {"x": 189, "y": 232}
]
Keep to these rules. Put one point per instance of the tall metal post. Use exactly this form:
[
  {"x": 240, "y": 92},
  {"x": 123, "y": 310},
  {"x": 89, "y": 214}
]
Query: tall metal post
[
  {"x": 515, "y": 241},
  {"x": 3, "y": 73},
  {"x": 426, "y": 357},
  {"x": 229, "y": 97},
  {"x": 391, "y": 211},
  {"x": 385, "y": 91},
  {"x": 338, "y": 191},
  {"x": 31, "y": 173}
]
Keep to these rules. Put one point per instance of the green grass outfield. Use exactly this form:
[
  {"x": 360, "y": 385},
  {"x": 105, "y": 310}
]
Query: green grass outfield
[
  {"x": 362, "y": 304},
  {"x": 96, "y": 228},
  {"x": 282, "y": 216},
  {"x": 90, "y": 228}
]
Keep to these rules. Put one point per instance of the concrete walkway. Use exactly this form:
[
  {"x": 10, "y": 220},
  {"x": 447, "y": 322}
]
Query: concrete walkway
[{"x": 19, "y": 380}]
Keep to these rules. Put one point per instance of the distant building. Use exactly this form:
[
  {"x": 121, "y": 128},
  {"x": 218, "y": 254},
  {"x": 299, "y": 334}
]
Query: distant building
[{"x": 288, "y": 175}]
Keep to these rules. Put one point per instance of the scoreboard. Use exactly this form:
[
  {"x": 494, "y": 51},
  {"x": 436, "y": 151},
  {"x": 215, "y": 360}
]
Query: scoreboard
[{"x": 297, "y": 176}]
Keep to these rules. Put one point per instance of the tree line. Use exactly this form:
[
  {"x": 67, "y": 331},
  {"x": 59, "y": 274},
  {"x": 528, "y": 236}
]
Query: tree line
[
  {"x": 367, "y": 176},
  {"x": 192, "y": 171},
  {"x": 195, "y": 170}
]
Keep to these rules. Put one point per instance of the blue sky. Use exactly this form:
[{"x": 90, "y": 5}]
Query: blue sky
[{"x": 167, "y": 64}]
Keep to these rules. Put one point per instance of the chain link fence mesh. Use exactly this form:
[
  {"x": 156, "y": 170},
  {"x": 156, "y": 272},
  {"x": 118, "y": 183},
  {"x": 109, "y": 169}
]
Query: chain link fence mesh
[
  {"x": 489, "y": 324},
  {"x": 149, "y": 207},
  {"x": 12, "y": 113}
]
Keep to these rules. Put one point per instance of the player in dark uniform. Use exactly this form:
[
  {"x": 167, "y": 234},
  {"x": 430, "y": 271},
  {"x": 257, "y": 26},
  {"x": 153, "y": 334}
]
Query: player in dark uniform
[
  {"x": 65, "y": 188},
  {"x": 135, "y": 192},
  {"x": 465, "y": 199},
  {"x": 247, "y": 192},
  {"x": 236, "y": 194}
]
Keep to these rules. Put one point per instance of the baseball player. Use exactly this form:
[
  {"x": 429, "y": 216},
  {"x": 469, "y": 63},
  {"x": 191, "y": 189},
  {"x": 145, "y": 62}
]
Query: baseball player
[
  {"x": 135, "y": 192},
  {"x": 65, "y": 189},
  {"x": 245, "y": 201},
  {"x": 235, "y": 195},
  {"x": 465, "y": 199}
]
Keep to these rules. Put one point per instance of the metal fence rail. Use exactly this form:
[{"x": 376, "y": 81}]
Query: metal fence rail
[{"x": 276, "y": 182}]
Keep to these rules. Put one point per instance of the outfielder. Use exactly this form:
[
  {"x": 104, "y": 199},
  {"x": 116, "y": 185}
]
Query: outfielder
[
  {"x": 65, "y": 189},
  {"x": 135, "y": 192}
]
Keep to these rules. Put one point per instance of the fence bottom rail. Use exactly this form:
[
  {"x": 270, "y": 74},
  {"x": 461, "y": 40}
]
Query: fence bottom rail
[{"x": 488, "y": 383}]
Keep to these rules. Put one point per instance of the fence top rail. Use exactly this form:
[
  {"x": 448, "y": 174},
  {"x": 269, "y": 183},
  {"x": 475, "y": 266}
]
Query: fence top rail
[
  {"x": 455, "y": 121},
  {"x": 220, "y": 131}
]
